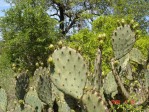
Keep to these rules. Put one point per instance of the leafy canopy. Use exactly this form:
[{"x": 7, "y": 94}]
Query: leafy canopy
[{"x": 27, "y": 31}]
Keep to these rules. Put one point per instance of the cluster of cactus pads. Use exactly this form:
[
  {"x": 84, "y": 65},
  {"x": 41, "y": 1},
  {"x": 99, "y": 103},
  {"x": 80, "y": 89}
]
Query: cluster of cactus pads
[{"x": 67, "y": 85}]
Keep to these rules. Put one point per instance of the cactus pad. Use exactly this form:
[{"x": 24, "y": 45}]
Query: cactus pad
[
  {"x": 3, "y": 100},
  {"x": 123, "y": 40},
  {"x": 44, "y": 87},
  {"x": 98, "y": 71},
  {"x": 137, "y": 56},
  {"x": 33, "y": 100},
  {"x": 93, "y": 102},
  {"x": 59, "y": 97},
  {"x": 124, "y": 61},
  {"x": 22, "y": 83},
  {"x": 70, "y": 71},
  {"x": 110, "y": 86}
]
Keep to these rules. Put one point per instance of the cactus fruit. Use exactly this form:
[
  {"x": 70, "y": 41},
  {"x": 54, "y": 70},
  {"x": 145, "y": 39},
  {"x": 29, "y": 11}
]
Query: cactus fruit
[
  {"x": 101, "y": 37},
  {"x": 118, "y": 23},
  {"x": 60, "y": 44},
  {"x": 93, "y": 102},
  {"x": 123, "y": 40},
  {"x": 33, "y": 100},
  {"x": 135, "y": 26},
  {"x": 3, "y": 100},
  {"x": 38, "y": 71},
  {"x": 50, "y": 60},
  {"x": 123, "y": 22},
  {"x": 22, "y": 83},
  {"x": 110, "y": 86},
  {"x": 116, "y": 63},
  {"x": 51, "y": 47},
  {"x": 37, "y": 64},
  {"x": 101, "y": 42},
  {"x": 70, "y": 71}
]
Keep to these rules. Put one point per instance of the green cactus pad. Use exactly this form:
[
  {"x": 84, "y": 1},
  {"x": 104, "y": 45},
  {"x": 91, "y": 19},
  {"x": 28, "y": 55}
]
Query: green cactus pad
[
  {"x": 22, "y": 83},
  {"x": 58, "y": 96},
  {"x": 110, "y": 86},
  {"x": 3, "y": 100},
  {"x": 124, "y": 61},
  {"x": 123, "y": 40},
  {"x": 129, "y": 72},
  {"x": 39, "y": 71},
  {"x": 44, "y": 88},
  {"x": 93, "y": 102},
  {"x": 70, "y": 71},
  {"x": 137, "y": 56},
  {"x": 98, "y": 71},
  {"x": 63, "y": 106},
  {"x": 33, "y": 100}
]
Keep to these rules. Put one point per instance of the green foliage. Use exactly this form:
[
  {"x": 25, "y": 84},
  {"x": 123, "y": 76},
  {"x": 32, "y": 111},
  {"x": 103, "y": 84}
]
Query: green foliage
[
  {"x": 67, "y": 80},
  {"x": 86, "y": 42},
  {"x": 27, "y": 30},
  {"x": 29, "y": 36},
  {"x": 138, "y": 9},
  {"x": 4, "y": 62},
  {"x": 128, "y": 106},
  {"x": 142, "y": 43}
]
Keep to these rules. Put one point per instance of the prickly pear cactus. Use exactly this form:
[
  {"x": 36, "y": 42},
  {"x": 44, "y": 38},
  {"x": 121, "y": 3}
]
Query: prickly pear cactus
[
  {"x": 137, "y": 56},
  {"x": 22, "y": 83},
  {"x": 58, "y": 96},
  {"x": 33, "y": 100},
  {"x": 63, "y": 106},
  {"x": 93, "y": 102},
  {"x": 70, "y": 71},
  {"x": 110, "y": 86},
  {"x": 123, "y": 40},
  {"x": 44, "y": 88},
  {"x": 3, "y": 100},
  {"x": 124, "y": 61},
  {"x": 98, "y": 72}
]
